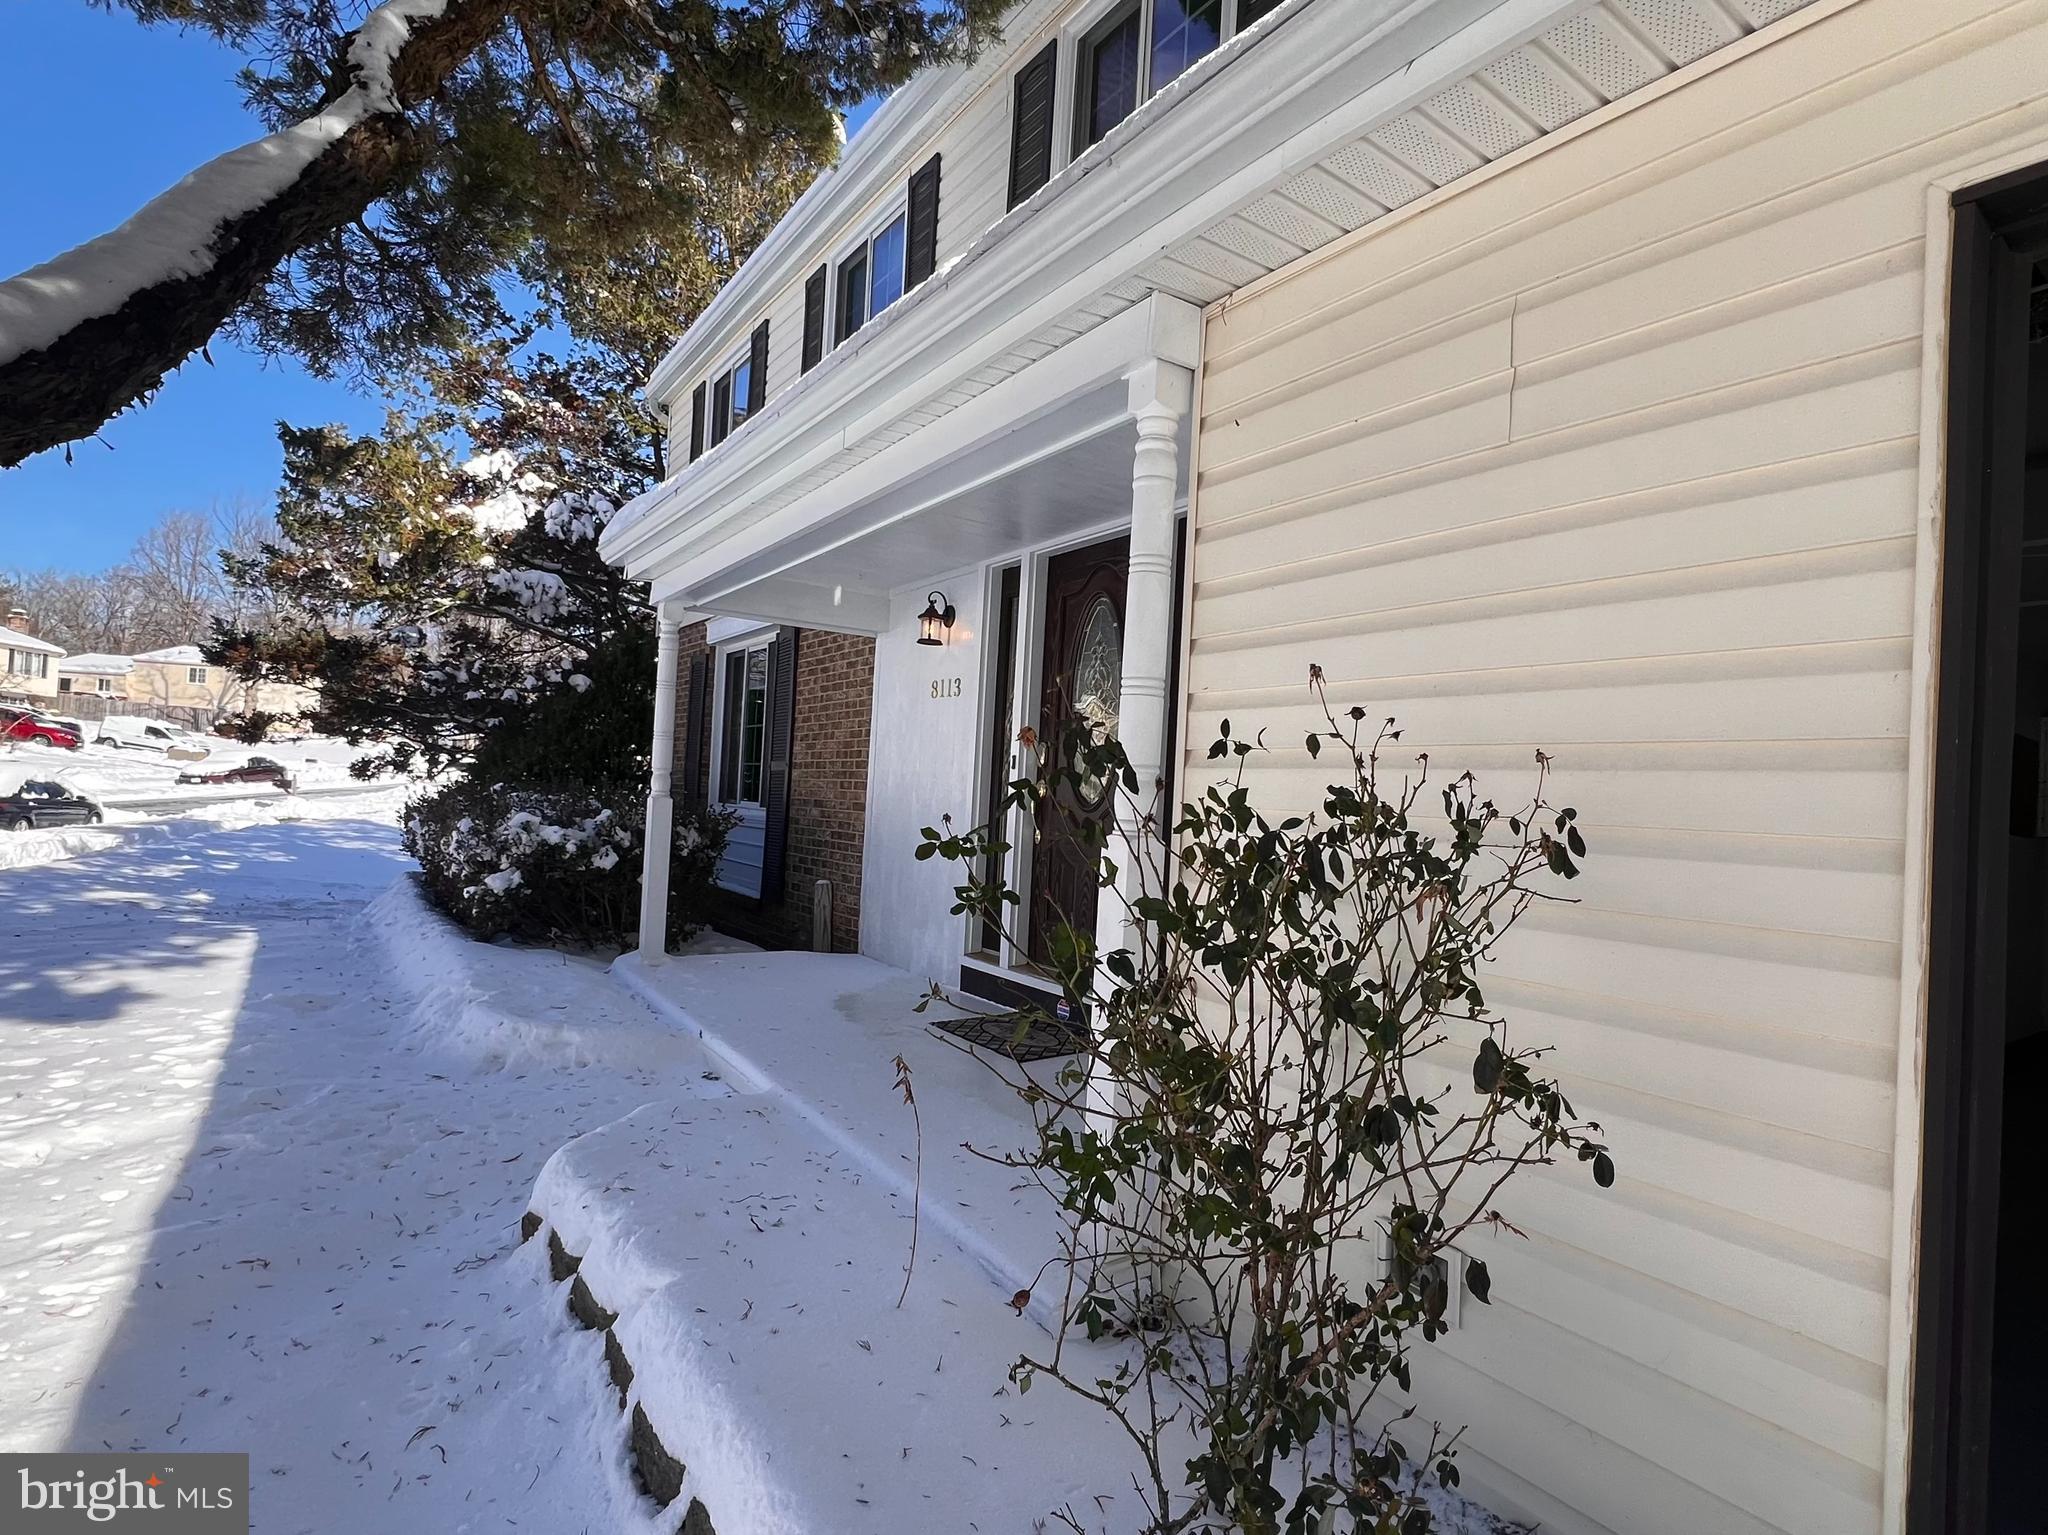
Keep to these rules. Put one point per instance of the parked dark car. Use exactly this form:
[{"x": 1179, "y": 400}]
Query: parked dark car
[
  {"x": 35, "y": 730},
  {"x": 255, "y": 770},
  {"x": 41, "y": 802}
]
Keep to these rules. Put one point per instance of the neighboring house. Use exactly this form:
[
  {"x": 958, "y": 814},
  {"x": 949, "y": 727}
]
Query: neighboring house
[
  {"x": 180, "y": 677},
  {"x": 28, "y": 665},
  {"x": 178, "y": 682},
  {"x": 1650, "y": 382},
  {"x": 95, "y": 675}
]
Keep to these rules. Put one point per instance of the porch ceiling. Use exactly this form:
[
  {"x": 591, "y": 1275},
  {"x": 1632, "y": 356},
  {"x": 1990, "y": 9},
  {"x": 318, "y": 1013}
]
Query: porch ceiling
[
  {"x": 1042, "y": 454},
  {"x": 1063, "y": 474}
]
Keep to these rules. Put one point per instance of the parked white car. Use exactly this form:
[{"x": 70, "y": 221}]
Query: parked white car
[{"x": 135, "y": 732}]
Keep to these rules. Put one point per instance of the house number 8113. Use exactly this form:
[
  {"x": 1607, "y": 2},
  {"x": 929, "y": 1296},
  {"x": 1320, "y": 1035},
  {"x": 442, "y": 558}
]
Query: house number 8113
[{"x": 945, "y": 687}]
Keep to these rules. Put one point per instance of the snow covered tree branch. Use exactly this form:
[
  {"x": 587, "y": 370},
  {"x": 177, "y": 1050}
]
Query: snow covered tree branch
[
  {"x": 426, "y": 152},
  {"x": 89, "y": 333}
]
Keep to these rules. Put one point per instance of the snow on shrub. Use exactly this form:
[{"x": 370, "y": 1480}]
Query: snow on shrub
[{"x": 553, "y": 865}]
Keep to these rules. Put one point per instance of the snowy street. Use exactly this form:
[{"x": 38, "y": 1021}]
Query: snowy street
[{"x": 247, "y": 1204}]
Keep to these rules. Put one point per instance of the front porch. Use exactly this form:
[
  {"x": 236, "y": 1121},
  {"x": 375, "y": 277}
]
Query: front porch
[
  {"x": 982, "y": 515},
  {"x": 821, "y": 1033}
]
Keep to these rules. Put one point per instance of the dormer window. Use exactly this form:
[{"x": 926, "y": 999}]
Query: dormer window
[{"x": 871, "y": 276}]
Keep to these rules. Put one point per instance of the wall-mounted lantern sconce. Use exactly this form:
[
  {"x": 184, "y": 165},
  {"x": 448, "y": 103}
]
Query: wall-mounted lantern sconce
[{"x": 936, "y": 618}]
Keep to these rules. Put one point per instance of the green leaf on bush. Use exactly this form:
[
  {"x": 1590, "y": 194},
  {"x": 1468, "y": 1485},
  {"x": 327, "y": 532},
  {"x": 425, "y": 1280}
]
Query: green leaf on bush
[
  {"x": 1486, "y": 1066},
  {"x": 1478, "y": 1281}
]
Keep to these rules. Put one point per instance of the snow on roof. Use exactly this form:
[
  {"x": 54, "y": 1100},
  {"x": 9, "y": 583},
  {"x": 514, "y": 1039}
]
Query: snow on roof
[
  {"x": 174, "y": 655},
  {"x": 14, "y": 639},
  {"x": 93, "y": 663}
]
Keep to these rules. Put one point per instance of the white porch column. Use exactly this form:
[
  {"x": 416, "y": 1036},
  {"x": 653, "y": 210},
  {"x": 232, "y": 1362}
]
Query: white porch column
[
  {"x": 660, "y": 801},
  {"x": 1160, "y": 394}
]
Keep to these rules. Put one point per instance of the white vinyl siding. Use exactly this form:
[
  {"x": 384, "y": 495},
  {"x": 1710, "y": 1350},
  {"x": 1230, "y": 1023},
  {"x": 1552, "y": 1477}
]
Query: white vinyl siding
[
  {"x": 1615, "y": 452},
  {"x": 974, "y": 182},
  {"x": 785, "y": 339}
]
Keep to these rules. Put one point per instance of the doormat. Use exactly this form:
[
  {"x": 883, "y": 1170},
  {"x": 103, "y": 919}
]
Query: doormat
[{"x": 1020, "y": 1036}]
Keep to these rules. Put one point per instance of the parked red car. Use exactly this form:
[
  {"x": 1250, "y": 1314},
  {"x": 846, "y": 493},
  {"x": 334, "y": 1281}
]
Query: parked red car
[
  {"x": 255, "y": 770},
  {"x": 20, "y": 725}
]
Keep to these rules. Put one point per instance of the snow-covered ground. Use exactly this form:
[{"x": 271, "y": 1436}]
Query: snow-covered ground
[
  {"x": 248, "y": 1203},
  {"x": 135, "y": 829},
  {"x": 114, "y": 774},
  {"x": 267, "y": 1130}
]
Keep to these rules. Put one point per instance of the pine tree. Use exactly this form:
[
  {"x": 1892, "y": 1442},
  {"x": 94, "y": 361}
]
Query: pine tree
[
  {"x": 439, "y": 582},
  {"x": 423, "y": 154}
]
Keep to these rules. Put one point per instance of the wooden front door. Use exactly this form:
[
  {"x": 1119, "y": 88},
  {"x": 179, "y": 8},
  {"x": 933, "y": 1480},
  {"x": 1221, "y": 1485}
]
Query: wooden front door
[{"x": 1082, "y": 687}]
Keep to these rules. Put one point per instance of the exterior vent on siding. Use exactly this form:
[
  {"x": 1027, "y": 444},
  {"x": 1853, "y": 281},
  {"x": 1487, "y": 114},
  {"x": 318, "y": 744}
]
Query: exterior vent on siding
[
  {"x": 1031, "y": 125},
  {"x": 757, "y": 372},
  {"x": 921, "y": 245},
  {"x": 697, "y": 424},
  {"x": 814, "y": 320}
]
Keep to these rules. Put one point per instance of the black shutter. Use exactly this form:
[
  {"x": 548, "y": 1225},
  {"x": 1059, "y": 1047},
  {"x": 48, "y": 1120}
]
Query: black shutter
[
  {"x": 697, "y": 424},
  {"x": 688, "y": 786},
  {"x": 781, "y": 737},
  {"x": 757, "y": 370},
  {"x": 814, "y": 319},
  {"x": 921, "y": 243},
  {"x": 1031, "y": 127},
  {"x": 721, "y": 408}
]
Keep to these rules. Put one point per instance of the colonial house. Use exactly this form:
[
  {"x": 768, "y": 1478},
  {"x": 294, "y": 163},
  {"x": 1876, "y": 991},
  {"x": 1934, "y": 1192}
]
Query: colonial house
[
  {"x": 28, "y": 663},
  {"x": 1657, "y": 383}
]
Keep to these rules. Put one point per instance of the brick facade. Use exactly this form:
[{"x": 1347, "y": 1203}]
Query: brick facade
[{"x": 828, "y": 789}]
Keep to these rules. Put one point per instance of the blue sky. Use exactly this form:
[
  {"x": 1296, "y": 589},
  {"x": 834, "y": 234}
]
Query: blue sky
[{"x": 100, "y": 114}]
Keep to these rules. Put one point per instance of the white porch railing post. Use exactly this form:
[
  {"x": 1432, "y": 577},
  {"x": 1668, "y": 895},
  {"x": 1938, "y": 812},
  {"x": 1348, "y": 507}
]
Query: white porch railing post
[
  {"x": 660, "y": 800},
  {"x": 1161, "y": 393}
]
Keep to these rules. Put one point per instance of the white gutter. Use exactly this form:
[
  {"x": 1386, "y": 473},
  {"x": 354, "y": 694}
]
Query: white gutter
[{"x": 1131, "y": 199}]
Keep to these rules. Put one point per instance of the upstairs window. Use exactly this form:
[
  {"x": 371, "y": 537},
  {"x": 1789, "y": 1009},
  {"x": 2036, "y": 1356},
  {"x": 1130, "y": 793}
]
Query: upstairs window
[
  {"x": 1183, "y": 32},
  {"x": 731, "y": 391},
  {"x": 195, "y": 674},
  {"x": 725, "y": 401},
  {"x": 1142, "y": 46},
  {"x": 871, "y": 276},
  {"x": 741, "y": 392},
  {"x": 1109, "y": 78}
]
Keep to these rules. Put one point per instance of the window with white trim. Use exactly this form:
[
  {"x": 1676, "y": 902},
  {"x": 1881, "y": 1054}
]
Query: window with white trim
[
  {"x": 732, "y": 392},
  {"x": 740, "y": 768},
  {"x": 196, "y": 674},
  {"x": 869, "y": 278},
  {"x": 1140, "y": 47}
]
